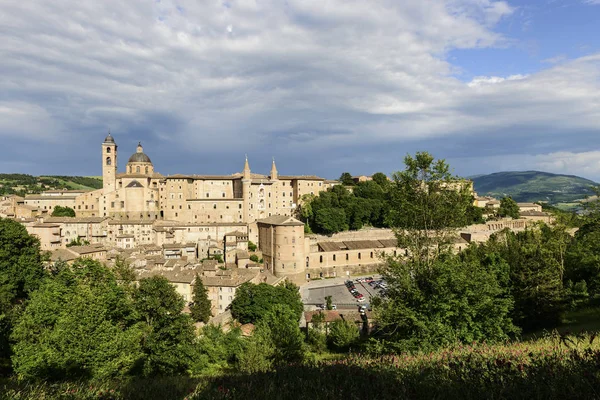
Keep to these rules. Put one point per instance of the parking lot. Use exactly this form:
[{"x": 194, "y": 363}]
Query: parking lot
[{"x": 314, "y": 293}]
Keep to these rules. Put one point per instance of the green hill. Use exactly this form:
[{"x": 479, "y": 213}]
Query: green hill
[
  {"x": 530, "y": 186},
  {"x": 22, "y": 184}
]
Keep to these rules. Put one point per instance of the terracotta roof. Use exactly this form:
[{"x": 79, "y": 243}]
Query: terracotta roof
[
  {"x": 242, "y": 254},
  {"x": 87, "y": 249},
  {"x": 40, "y": 197},
  {"x": 362, "y": 244},
  {"x": 63, "y": 255},
  {"x": 389, "y": 242},
  {"x": 131, "y": 222},
  {"x": 178, "y": 245},
  {"x": 532, "y": 213},
  {"x": 329, "y": 246},
  {"x": 237, "y": 234},
  {"x": 177, "y": 275},
  {"x": 202, "y": 177}
]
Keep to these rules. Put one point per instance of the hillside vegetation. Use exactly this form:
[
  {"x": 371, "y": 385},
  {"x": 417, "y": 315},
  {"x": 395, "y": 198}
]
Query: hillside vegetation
[
  {"x": 530, "y": 186},
  {"x": 22, "y": 184}
]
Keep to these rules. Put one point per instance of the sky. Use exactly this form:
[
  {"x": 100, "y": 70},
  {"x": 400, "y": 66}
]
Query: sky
[{"x": 323, "y": 86}]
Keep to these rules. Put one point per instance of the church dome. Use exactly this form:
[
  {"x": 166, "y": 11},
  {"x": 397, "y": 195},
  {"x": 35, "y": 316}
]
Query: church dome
[
  {"x": 109, "y": 139},
  {"x": 139, "y": 156}
]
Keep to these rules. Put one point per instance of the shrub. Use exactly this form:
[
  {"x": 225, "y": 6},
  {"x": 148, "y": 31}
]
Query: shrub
[{"x": 342, "y": 335}]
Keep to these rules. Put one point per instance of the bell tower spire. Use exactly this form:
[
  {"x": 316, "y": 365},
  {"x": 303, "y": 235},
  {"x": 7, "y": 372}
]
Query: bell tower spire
[{"x": 274, "y": 174}]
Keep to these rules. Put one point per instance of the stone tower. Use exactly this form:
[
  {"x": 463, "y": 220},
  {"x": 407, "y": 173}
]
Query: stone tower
[
  {"x": 246, "y": 181},
  {"x": 274, "y": 175},
  {"x": 109, "y": 164}
]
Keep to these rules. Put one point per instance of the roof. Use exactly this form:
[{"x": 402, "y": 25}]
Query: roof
[
  {"x": 281, "y": 220},
  {"x": 178, "y": 245},
  {"x": 52, "y": 198},
  {"x": 237, "y": 234},
  {"x": 125, "y": 236},
  {"x": 203, "y": 177},
  {"x": 528, "y": 205},
  {"x": 242, "y": 254},
  {"x": 109, "y": 139},
  {"x": 131, "y": 222},
  {"x": 532, "y": 213},
  {"x": 301, "y": 177},
  {"x": 45, "y": 225},
  {"x": 177, "y": 274},
  {"x": 134, "y": 184},
  {"x": 87, "y": 249},
  {"x": 75, "y": 220},
  {"x": 357, "y": 244},
  {"x": 139, "y": 157},
  {"x": 62, "y": 255},
  {"x": 230, "y": 278}
]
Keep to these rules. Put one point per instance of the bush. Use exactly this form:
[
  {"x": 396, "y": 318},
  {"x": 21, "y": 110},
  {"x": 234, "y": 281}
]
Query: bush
[
  {"x": 251, "y": 246},
  {"x": 254, "y": 258},
  {"x": 342, "y": 335}
]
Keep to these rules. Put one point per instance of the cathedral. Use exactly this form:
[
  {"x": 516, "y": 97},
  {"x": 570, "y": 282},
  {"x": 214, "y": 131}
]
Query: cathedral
[{"x": 141, "y": 193}]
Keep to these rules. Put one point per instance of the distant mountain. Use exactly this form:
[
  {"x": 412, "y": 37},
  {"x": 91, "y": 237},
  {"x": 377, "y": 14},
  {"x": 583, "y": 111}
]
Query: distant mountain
[
  {"x": 22, "y": 184},
  {"x": 530, "y": 186}
]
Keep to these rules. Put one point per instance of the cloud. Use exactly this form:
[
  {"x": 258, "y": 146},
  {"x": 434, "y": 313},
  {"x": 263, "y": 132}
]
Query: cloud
[
  {"x": 592, "y": 2},
  {"x": 304, "y": 77}
]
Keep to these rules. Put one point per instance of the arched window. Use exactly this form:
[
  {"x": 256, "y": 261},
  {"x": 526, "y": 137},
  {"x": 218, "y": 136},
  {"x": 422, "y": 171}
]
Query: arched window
[
  {"x": 130, "y": 169},
  {"x": 137, "y": 169},
  {"x": 146, "y": 169},
  {"x": 108, "y": 161},
  {"x": 108, "y": 150}
]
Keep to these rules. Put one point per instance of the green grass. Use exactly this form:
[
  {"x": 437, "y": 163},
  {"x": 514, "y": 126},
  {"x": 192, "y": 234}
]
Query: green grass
[{"x": 550, "y": 368}]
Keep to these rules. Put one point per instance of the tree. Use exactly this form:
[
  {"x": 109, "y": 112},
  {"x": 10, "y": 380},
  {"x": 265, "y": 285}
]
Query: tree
[
  {"x": 201, "y": 307},
  {"x": 251, "y": 245},
  {"x": 281, "y": 326},
  {"x": 328, "y": 303},
  {"x": 381, "y": 179},
  {"x": 80, "y": 323},
  {"x": 217, "y": 350},
  {"x": 252, "y": 302},
  {"x": 342, "y": 335},
  {"x": 168, "y": 334},
  {"x": 331, "y": 220},
  {"x": 427, "y": 204},
  {"x": 60, "y": 211},
  {"x": 346, "y": 179},
  {"x": 254, "y": 258},
  {"x": 21, "y": 273},
  {"x": 434, "y": 297},
  {"x": 508, "y": 208}
]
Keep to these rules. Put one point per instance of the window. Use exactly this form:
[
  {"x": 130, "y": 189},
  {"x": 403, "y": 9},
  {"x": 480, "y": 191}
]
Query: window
[
  {"x": 214, "y": 206},
  {"x": 108, "y": 161},
  {"x": 359, "y": 256},
  {"x": 347, "y": 257},
  {"x": 108, "y": 150},
  {"x": 239, "y": 206},
  {"x": 137, "y": 169},
  {"x": 334, "y": 257},
  {"x": 122, "y": 204},
  {"x": 146, "y": 169},
  {"x": 112, "y": 204},
  {"x": 321, "y": 259},
  {"x": 371, "y": 254},
  {"x": 223, "y": 194}
]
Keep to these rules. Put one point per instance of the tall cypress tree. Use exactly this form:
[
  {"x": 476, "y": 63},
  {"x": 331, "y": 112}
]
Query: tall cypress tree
[{"x": 201, "y": 307}]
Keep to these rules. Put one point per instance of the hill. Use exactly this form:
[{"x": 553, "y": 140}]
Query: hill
[
  {"x": 22, "y": 184},
  {"x": 530, "y": 186}
]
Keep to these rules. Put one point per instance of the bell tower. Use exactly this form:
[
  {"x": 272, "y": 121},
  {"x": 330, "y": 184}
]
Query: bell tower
[{"x": 109, "y": 164}]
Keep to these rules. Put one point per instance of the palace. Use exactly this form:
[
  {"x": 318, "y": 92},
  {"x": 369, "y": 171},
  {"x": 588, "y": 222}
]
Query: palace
[{"x": 142, "y": 194}]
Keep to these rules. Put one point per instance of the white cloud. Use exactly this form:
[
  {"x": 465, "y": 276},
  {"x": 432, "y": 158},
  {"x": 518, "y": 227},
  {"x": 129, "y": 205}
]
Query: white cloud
[{"x": 311, "y": 73}]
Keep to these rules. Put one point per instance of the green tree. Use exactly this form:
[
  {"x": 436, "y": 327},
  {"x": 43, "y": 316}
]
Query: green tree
[
  {"x": 217, "y": 350},
  {"x": 342, "y": 335},
  {"x": 331, "y": 220},
  {"x": 281, "y": 325},
  {"x": 427, "y": 205},
  {"x": 254, "y": 258},
  {"x": 508, "y": 208},
  {"x": 201, "y": 307},
  {"x": 21, "y": 273},
  {"x": 168, "y": 334},
  {"x": 252, "y": 302},
  {"x": 381, "y": 179},
  {"x": 346, "y": 179},
  {"x": 251, "y": 245},
  {"x": 535, "y": 259},
  {"x": 257, "y": 353},
  {"x": 328, "y": 303},
  {"x": 434, "y": 297},
  {"x": 60, "y": 211},
  {"x": 80, "y": 323}
]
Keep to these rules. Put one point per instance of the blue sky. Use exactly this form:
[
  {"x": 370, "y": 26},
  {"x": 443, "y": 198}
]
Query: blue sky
[{"x": 324, "y": 86}]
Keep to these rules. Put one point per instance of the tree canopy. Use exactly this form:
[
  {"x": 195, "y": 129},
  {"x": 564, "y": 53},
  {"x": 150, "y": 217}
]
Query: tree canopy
[
  {"x": 508, "y": 208},
  {"x": 252, "y": 302},
  {"x": 60, "y": 211}
]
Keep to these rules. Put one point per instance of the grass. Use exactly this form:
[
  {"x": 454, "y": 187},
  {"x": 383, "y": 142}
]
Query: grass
[
  {"x": 548, "y": 368},
  {"x": 574, "y": 322}
]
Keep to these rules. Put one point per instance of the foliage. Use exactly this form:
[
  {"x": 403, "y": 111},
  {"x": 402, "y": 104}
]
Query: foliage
[
  {"x": 168, "y": 334},
  {"x": 281, "y": 326},
  {"x": 252, "y": 302},
  {"x": 536, "y": 260},
  {"x": 346, "y": 179},
  {"x": 583, "y": 257},
  {"x": 455, "y": 298},
  {"x": 216, "y": 350},
  {"x": 427, "y": 204},
  {"x": 508, "y": 208},
  {"x": 201, "y": 307},
  {"x": 251, "y": 246},
  {"x": 60, "y": 211},
  {"x": 21, "y": 273},
  {"x": 342, "y": 335},
  {"x": 328, "y": 303},
  {"x": 561, "y": 367},
  {"x": 78, "y": 242},
  {"x": 316, "y": 340},
  {"x": 257, "y": 353},
  {"x": 78, "y": 324},
  {"x": 254, "y": 258}
]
